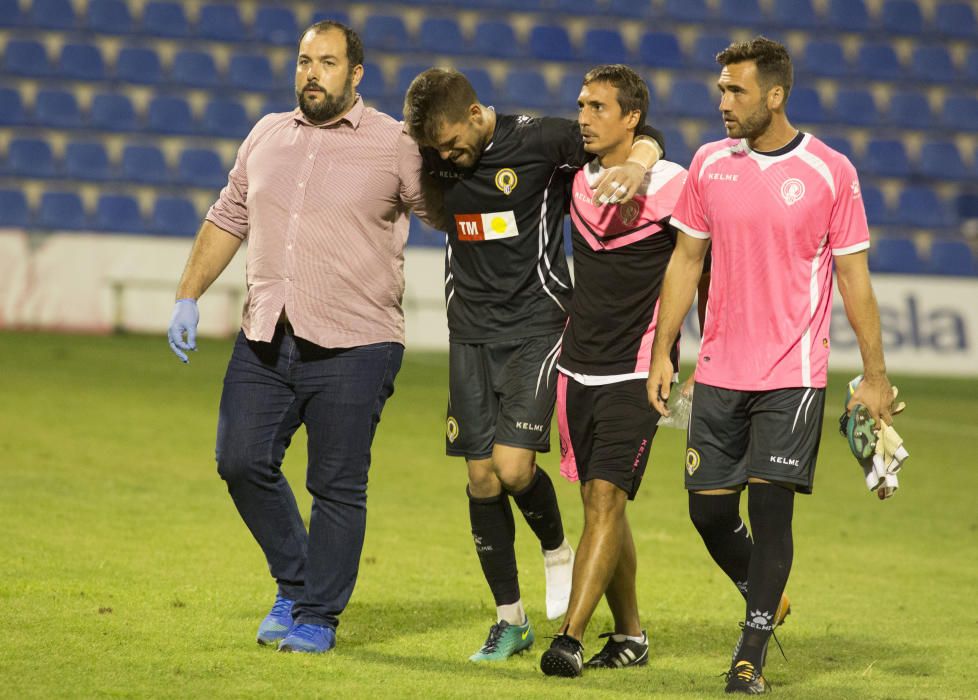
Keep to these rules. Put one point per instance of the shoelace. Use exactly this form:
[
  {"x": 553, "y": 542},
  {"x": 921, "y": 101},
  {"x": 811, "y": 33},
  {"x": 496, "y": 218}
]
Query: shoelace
[
  {"x": 567, "y": 642},
  {"x": 492, "y": 641},
  {"x": 282, "y": 606},
  {"x": 773, "y": 636},
  {"x": 306, "y": 632}
]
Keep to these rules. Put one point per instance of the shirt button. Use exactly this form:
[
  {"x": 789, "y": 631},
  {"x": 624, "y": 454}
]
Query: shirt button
[
  {"x": 301, "y": 185},
  {"x": 310, "y": 156}
]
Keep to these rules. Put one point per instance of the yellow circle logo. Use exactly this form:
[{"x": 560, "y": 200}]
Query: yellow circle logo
[
  {"x": 452, "y": 429},
  {"x": 506, "y": 180},
  {"x": 692, "y": 461}
]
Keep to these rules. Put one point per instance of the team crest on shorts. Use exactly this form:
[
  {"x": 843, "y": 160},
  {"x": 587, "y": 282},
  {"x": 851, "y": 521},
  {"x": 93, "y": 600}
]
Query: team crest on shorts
[
  {"x": 692, "y": 461},
  {"x": 628, "y": 212},
  {"x": 506, "y": 180},
  {"x": 452, "y": 429},
  {"x": 792, "y": 190}
]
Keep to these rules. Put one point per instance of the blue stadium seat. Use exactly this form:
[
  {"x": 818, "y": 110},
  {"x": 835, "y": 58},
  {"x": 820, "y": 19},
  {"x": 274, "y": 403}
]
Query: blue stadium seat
[
  {"x": 57, "y": 108},
  {"x": 952, "y": 258},
  {"x": 677, "y": 150},
  {"x": 275, "y": 25},
  {"x": 933, "y": 64},
  {"x": 877, "y": 211},
  {"x": 921, "y": 207},
  {"x": 895, "y": 255},
  {"x": 374, "y": 84},
  {"x": 109, "y": 17},
  {"x": 855, "y": 106},
  {"x": 112, "y": 112},
  {"x": 806, "y": 105},
  {"x": 86, "y": 160},
  {"x": 743, "y": 13},
  {"x": 11, "y": 107},
  {"x": 496, "y": 39},
  {"x": 226, "y": 117},
  {"x": 194, "y": 69},
  {"x": 886, "y": 158},
  {"x": 81, "y": 62},
  {"x": 14, "y": 212},
  {"x": 841, "y": 144},
  {"x": 221, "y": 23},
  {"x": 966, "y": 206},
  {"x": 956, "y": 19},
  {"x": 824, "y": 57},
  {"x": 333, "y": 15},
  {"x": 576, "y": 8},
  {"x": 632, "y": 9},
  {"x": 910, "y": 110},
  {"x": 902, "y": 17},
  {"x": 201, "y": 167},
  {"x": 61, "y": 210},
  {"x": 166, "y": 19},
  {"x": 705, "y": 49},
  {"x": 941, "y": 160},
  {"x": 144, "y": 164},
  {"x": 52, "y": 14},
  {"x": 568, "y": 90},
  {"x": 526, "y": 88},
  {"x": 26, "y": 57},
  {"x": 688, "y": 10},
  {"x": 970, "y": 72},
  {"x": 170, "y": 115},
  {"x": 551, "y": 42},
  {"x": 386, "y": 33},
  {"x": 118, "y": 213},
  {"x": 660, "y": 50},
  {"x": 405, "y": 74},
  {"x": 879, "y": 61},
  {"x": 252, "y": 71},
  {"x": 174, "y": 216},
  {"x": 603, "y": 46},
  {"x": 961, "y": 112},
  {"x": 10, "y": 14},
  {"x": 482, "y": 81},
  {"x": 441, "y": 35},
  {"x": 848, "y": 15},
  {"x": 796, "y": 14},
  {"x": 138, "y": 65},
  {"x": 692, "y": 98}
]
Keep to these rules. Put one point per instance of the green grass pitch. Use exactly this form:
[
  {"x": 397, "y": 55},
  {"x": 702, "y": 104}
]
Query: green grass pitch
[{"x": 127, "y": 572}]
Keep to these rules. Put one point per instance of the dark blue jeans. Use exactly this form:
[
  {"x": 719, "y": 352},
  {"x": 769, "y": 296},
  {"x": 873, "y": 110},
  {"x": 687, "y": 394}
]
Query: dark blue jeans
[{"x": 270, "y": 389}]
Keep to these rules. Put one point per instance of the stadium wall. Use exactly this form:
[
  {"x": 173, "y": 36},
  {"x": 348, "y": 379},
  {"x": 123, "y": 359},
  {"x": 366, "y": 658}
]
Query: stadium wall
[{"x": 100, "y": 283}]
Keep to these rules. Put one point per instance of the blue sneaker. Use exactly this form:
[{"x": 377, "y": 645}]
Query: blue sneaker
[
  {"x": 277, "y": 623},
  {"x": 309, "y": 639}
]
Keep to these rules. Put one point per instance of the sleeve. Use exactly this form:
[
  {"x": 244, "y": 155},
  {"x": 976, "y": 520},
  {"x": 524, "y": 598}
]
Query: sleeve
[
  {"x": 418, "y": 192},
  {"x": 230, "y": 211},
  {"x": 689, "y": 216},
  {"x": 848, "y": 229}
]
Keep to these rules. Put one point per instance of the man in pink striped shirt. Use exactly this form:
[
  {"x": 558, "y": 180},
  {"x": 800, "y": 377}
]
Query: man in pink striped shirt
[
  {"x": 322, "y": 194},
  {"x": 780, "y": 208}
]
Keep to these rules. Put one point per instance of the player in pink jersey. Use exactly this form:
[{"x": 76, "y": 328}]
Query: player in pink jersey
[{"x": 779, "y": 208}]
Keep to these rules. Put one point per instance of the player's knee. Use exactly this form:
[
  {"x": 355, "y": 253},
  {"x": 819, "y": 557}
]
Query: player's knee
[
  {"x": 483, "y": 482},
  {"x": 235, "y": 466},
  {"x": 514, "y": 475},
  {"x": 603, "y": 500},
  {"x": 708, "y": 512}
]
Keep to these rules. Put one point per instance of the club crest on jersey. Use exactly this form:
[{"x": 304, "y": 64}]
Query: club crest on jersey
[
  {"x": 628, "y": 212},
  {"x": 452, "y": 429},
  {"x": 506, "y": 180},
  {"x": 792, "y": 190},
  {"x": 692, "y": 461}
]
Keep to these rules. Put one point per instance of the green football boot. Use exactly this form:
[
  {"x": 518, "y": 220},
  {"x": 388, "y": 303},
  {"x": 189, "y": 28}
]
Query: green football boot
[{"x": 504, "y": 640}]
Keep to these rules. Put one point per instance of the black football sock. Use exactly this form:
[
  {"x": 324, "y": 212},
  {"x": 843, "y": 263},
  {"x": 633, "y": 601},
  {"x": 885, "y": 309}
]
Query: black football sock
[
  {"x": 494, "y": 531},
  {"x": 538, "y": 503},
  {"x": 770, "y": 509},
  {"x": 727, "y": 539}
]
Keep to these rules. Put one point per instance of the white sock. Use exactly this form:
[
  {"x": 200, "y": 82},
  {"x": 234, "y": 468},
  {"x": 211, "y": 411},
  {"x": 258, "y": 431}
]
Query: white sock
[
  {"x": 622, "y": 637},
  {"x": 563, "y": 545},
  {"x": 512, "y": 613}
]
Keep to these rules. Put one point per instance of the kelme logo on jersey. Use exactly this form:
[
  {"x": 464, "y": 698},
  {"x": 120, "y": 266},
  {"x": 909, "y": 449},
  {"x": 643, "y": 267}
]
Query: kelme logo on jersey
[
  {"x": 692, "y": 461},
  {"x": 486, "y": 227},
  {"x": 451, "y": 429},
  {"x": 506, "y": 180},
  {"x": 792, "y": 190},
  {"x": 628, "y": 212}
]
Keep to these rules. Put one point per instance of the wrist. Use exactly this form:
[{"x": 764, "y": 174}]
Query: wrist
[{"x": 644, "y": 153}]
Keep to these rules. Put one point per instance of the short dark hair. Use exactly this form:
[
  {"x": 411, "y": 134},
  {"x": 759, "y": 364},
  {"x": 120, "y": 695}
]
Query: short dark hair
[
  {"x": 354, "y": 47},
  {"x": 771, "y": 58},
  {"x": 435, "y": 96},
  {"x": 633, "y": 93}
]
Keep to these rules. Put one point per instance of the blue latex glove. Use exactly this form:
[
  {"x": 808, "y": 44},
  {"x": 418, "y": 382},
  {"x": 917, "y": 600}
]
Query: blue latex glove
[{"x": 184, "y": 320}]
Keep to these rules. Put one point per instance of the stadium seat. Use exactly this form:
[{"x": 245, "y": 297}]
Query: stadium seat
[
  {"x": 630, "y": 9},
  {"x": 166, "y": 19},
  {"x": 138, "y": 65},
  {"x": 14, "y": 211},
  {"x": 201, "y": 167},
  {"x": 920, "y": 207},
  {"x": 970, "y": 69},
  {"x": 824, "y": 57},
  {"x": 332, "y": 14},
  {"x": 194, "y": 69},
  {"x": 226, "y": 117},
  {"x": 405, "y": 74},
  {"x": 568, "y": 90},
  {"x": 108, "y": 17},
  {"x": 170, "y": 115},
  {"x": 174, "y": 216},
  {"x": 526, "y": 88},
  {"x": 602, "y": 46},
  {"x": 886, "y": 158},
  {"x": 742, "y": 13},
  {"x": 879, "y": 61},
  {"x": 952, "y": 258},
  {"x": 61, "y": 210},
  {"x": 81, "y": 62},
  {"x": 551, "y": 42},
  {"x": 705, "y": 50},
  {"x": 496, "y": 39},
  {"x": 57, "y": 108},
  {"x": 902, "y": 17},
  {"x": 677, "y": 150},
  {"x": 960, "y": 112},
  {"x": 275, "y": 25},
  {"x": 483, "y": 84},
  {"x": 112, "y": 112},
  {"x": 841, "y": 144},
  {"x": 252, "y": 71},
  {"x": 221, "y": 23},
  {"x": 86, "y": 160},
  {"x": 956, "y": 19},
  {"x": 941, "y": 160},
  {"x": 144, "y": 164},
  {"x": 386, "y": 33},
  {"x": 910, "y": 110},
  {"x": 374, "y": 83},
  {"x": 692, "y": 98},
  {"x": 933, "y": 64},
  {"x": 877, "y": 211},
  {"x": 895, "y": 255},
  {"x": 688, "y": 10},
  {"x": 855, "y": 106},
  {"x": 660, "y": 50},
  {"x": 26, "y": 57},
  {"x": 11, "y": 107},
  {"x": 118, "y": 213},
  {"x": 577, "y": 8},
  {"x": 966, "y": 206},
  {"x": 10, "y": 14},
  {"x": 806, "y": 105},
  {"x": 52, "y": 14},
  {"x": 798, "y": 14},
  {"x": 441, "y": 35},
  {"x": 848, "y": 15}
]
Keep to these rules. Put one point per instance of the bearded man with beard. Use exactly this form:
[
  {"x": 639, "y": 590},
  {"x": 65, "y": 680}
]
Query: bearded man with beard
[{"x": 322, "y": 194}]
